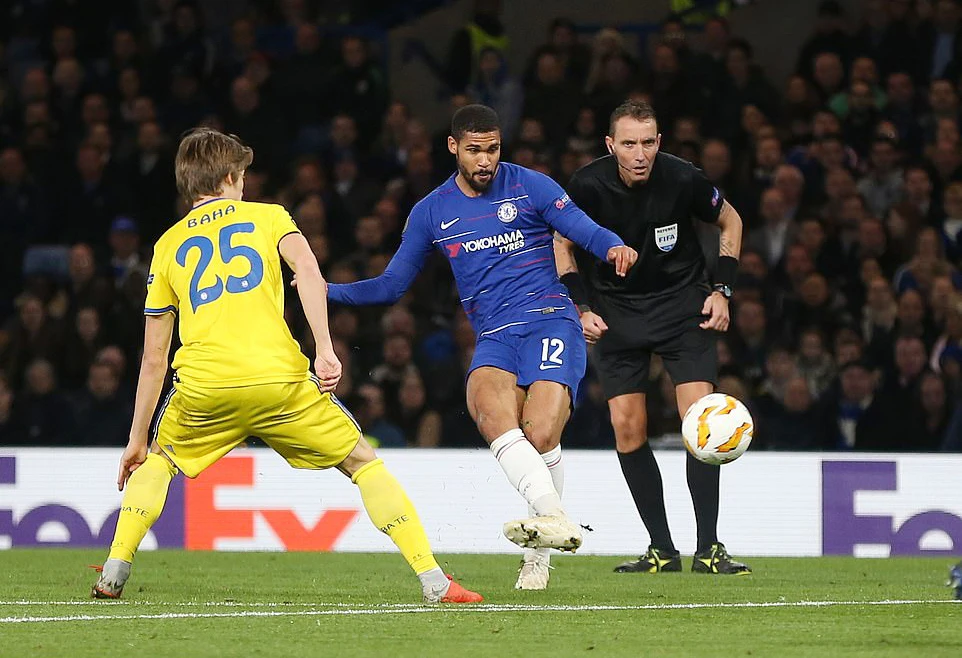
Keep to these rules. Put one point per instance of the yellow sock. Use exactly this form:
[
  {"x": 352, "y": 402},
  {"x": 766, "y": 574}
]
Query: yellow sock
[
  {"x": 143, "y": 502},
  {"x": 392, "y": 513}
]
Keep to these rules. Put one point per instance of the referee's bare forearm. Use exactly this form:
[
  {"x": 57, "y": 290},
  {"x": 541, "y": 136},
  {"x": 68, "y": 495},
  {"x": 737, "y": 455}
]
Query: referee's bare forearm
[{"x": 730, "y": 223}]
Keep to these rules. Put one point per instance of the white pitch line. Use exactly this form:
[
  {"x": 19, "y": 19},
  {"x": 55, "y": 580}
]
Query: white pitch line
[
  {"x": 468, "y": 609},
  {"x": 210, "y": 604}
]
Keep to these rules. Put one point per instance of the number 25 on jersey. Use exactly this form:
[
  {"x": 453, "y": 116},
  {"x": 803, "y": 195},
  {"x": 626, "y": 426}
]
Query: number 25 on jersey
[{"x": 227, "y": 253}]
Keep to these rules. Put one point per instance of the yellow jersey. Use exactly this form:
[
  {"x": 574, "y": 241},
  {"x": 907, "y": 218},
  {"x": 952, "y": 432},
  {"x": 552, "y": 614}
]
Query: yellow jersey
[{"x": 219, "y": 269}]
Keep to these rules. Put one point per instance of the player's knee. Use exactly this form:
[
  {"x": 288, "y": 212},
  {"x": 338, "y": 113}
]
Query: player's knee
[
  {"x": 631, "y": 429},
  {"x": 541, "y": 435}
]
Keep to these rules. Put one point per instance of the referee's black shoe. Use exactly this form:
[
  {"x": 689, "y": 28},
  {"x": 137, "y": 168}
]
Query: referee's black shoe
[
  {"x": 717, "y": 560},
  {"x": 653, "y": 561}
]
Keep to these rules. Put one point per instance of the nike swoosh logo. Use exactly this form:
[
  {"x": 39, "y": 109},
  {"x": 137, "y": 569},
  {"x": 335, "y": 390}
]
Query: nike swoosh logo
[
  {"x": 446, "y": 225},
  {"x": 546, "y": 367}
]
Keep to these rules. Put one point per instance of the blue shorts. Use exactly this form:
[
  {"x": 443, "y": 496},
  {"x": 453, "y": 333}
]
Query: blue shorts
[{"x": 548, "y": 350}]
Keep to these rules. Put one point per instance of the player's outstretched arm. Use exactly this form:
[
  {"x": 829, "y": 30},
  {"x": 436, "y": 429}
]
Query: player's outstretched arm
[
  {"x": 311, "y": 288},
  {"x": 592, "y": 325},
  {"x": 158, "y": 330},
  {"x": 398, "y": 276}
]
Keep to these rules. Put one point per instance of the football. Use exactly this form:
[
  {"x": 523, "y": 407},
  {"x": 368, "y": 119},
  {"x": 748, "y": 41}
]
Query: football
[{"x": 717, "y": 429}]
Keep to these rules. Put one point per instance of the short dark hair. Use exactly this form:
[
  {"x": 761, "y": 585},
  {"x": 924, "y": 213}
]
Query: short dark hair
[
  {"x": 637, "y": 110},
  {"x": 474, "y": 119}
]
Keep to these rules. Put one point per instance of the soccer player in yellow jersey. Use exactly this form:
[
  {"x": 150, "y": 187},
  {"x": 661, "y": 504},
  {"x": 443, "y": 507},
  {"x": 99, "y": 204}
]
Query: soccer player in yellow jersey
[{"x": 239, "y": 372}]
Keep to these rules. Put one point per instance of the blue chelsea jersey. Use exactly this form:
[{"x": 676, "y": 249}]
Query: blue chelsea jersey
[{"x": 499, "y": 245}]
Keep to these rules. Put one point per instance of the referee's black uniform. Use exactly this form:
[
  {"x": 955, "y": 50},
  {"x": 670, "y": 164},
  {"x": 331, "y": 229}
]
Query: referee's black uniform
[{"x": 657, "y": 307}]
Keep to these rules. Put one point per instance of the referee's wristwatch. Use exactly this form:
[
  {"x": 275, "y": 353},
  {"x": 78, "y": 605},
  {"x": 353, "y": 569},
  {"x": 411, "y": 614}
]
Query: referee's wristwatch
[{"x": 724, "y": 289}]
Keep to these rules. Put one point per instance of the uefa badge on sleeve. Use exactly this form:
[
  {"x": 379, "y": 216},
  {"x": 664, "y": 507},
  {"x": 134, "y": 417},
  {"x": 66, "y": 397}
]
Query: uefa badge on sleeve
[{"x": 666, "y": 237}]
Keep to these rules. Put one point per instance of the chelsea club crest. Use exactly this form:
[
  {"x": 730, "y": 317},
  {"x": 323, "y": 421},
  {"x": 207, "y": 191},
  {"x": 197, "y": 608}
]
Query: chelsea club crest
[{"x": 507, "y": 212}]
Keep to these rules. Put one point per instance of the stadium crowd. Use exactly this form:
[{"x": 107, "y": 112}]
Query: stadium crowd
[{"x": 847, "y": 316}]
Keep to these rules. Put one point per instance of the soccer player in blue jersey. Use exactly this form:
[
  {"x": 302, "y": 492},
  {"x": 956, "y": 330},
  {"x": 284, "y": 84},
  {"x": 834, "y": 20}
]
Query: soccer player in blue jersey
[{"x": 495, "y": 222}]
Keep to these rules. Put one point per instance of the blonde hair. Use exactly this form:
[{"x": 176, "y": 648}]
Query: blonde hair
[{"x": 205, "y": 158}]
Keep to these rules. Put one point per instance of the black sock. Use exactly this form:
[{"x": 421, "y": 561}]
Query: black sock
[
  {"x": 644, "y": 480},
  {"x": 703, "y": 485}
]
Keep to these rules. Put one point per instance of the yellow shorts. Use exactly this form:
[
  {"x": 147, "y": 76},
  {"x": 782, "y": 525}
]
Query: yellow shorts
[{"x": 197, "y": 426}]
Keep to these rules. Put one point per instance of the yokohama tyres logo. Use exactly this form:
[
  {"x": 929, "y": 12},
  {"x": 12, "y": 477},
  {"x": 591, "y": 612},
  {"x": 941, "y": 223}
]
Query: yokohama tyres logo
[{"x": 505, "y": 243}]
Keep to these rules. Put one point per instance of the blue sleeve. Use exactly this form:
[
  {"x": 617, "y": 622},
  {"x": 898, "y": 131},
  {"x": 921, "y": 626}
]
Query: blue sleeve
[
  {"x": 398, "y": 276},
  {"x": 569, "y": 220}
]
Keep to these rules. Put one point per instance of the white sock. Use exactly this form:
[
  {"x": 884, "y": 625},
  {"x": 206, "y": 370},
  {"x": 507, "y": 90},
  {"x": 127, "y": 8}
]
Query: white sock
[
  {"x": 527, "y": 472},
  {"x": 556, "y": 467}
]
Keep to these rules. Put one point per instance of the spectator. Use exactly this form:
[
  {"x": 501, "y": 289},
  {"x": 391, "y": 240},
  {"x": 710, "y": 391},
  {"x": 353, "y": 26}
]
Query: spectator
[
  {"x": 813, "y": 362},
  {"x": 484, "y": 29},
  {"x": 590, "y": 422},
  {"x": 606, "y": 43},
  {"x": 248, "y": 115},
  {"x": 397, "y": 364},
  {"x": 828, "y": 74},
  {"x": 23, "y": 221},
  {"x": 918, "y": 193},
  {"x": 903, "y": 223},
  {"x": 497, "y": 88},
  {"x": 574, "y": 56},
  {"x": 300, "y": 82},
  {"x": 10, "y": 431},
  {"x": 750, "y": 344},
  {"x": 370, "y": 414},
  {"x": 777, "y": 229},
  {"x": 586, "y": 136},
  {"x": 616, "y": 78},
  {"x": 793, "y": 423},
  {"x": 359, "y": 88},
  {"x": 941, "y": 47},
  {"x": 125, "y": 257},
  {"x": 33, "y": 336},
  {"x": 357, "y": 193},
  {"x": 790, "y": 182},
  {"x": 882, "y": 188},
  {"x": 829, "y": 36},
  {"x": 854, "y": 418},
  {"x": 42, "y": 410},
  {"x": 928, "y": 262},
  {"x": 952, "y": 222},
  {"x": 420, "y": 424},
  {"x": 934, "y": 412},
  {"x": 83, "y": 343},
  {"x": 716, "y": 162},
  {"x": 102, "y": 415},
  {"x": 551, "y": 99},
  {"x": 745, "y": 84},
  {"x": 86, "y": 287},
  {"x": 149, "y": 170},
  {"x": 902, "y": 108}
]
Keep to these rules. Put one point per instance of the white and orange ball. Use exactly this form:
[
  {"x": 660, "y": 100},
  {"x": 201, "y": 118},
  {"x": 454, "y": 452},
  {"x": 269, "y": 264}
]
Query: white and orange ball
[{"x": 717, "y": 429}]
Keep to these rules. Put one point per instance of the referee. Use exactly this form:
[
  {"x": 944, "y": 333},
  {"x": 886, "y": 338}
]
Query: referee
[{"x": 667, "y": 305}]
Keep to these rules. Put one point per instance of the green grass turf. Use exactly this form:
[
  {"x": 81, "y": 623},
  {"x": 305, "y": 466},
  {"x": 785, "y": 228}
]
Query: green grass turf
[{"x": 180, "y": 582}]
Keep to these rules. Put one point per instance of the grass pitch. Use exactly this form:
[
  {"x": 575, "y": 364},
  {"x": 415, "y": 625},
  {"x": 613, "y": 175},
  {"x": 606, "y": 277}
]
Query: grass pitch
[{"x": 304, "y": 605}]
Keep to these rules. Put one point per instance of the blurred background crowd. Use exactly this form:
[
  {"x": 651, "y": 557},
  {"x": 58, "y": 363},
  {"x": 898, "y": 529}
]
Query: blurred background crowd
[{"x": 847, "y": 316}]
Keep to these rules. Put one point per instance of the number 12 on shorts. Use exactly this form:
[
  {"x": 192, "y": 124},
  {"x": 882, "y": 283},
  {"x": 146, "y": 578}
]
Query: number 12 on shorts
[{"x": 551, "y": 350}]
